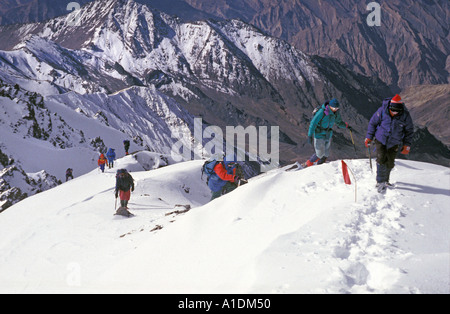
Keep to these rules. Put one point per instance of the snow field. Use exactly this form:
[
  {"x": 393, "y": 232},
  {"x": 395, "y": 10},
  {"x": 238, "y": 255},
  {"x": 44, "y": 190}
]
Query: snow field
[
  {"x": 283, "y": 232},
  {"x": 73, "y": 225},
  {"x": 295, "y": 232}
]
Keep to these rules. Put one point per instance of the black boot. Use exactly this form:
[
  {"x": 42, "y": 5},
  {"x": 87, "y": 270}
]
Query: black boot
[
  {"x": 322, "y": 160},
  {"x": 382, "y": 177},
  {"x": 388, "y": 175}
]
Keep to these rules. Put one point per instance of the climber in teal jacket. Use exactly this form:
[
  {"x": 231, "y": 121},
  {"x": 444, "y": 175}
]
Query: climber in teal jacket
[{"x": 321, "y": 131}]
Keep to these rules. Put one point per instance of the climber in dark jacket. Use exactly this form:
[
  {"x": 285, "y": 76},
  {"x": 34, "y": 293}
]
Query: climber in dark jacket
[{"x": 391, "y": 128}]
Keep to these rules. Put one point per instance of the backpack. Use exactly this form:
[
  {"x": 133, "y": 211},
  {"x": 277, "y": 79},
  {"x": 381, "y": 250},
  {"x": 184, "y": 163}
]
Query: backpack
[
  {"x": 123, "y": 180},
  {"x": 317, "y": 109},
  {"x": 111, "y": 153},
  {"x": 208, "y": 168}
]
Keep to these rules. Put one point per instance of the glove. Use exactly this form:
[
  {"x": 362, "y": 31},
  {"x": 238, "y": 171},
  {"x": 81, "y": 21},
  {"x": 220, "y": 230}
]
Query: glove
[
  {"x": 348, "y": 126},
  {"x": 406, "y": 150},
  {"x": 367, "y": 142},
  {"x": 117, "y": 194}
]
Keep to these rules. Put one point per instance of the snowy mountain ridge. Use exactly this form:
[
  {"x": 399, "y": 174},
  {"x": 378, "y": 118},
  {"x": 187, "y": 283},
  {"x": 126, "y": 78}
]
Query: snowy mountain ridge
[
  {"x": 143, "y": 40},
  {"x": 124, "y": 46},
  {"x": 73, "y": 129},
  {"x": 227, "y": 72},
  {"x": 128, "y": 71},
  {"x": 277, "y": 234}
]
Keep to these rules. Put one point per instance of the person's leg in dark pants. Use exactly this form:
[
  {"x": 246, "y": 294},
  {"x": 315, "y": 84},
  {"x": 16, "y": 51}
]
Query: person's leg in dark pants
[{"x": 385, "y": 161}]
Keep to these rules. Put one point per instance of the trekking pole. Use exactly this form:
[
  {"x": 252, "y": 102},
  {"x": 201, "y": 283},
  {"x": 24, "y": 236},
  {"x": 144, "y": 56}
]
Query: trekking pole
[
  {"x": 370, "y": 158},
  {"x": 353, "y": 142}
]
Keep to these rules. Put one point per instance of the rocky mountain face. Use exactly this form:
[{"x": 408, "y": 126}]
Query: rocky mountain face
[
  {"x": 430, "y": 107},
  {"x": 410, "y": 47},
  {"x": 227, "y": 72},
  {"x": 15, "y": 183}
]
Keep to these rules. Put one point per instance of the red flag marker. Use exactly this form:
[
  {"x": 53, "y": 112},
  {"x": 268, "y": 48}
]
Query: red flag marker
[{"x": 345, "y": 173}]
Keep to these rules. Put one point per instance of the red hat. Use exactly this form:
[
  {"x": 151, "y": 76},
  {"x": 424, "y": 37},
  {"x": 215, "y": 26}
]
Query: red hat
[{"x": 396, "y": 99}]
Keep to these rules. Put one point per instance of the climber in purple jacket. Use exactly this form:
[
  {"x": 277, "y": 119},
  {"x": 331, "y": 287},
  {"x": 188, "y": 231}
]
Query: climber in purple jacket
[{"x": 391, "y": 128}]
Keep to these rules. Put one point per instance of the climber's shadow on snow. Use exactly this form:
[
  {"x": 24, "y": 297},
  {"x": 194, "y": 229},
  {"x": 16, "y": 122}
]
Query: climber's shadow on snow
[
  {"x": 404, "y": 164},
  {"x": 92, "y": 197},
  {"x": 421, "y": 188}
]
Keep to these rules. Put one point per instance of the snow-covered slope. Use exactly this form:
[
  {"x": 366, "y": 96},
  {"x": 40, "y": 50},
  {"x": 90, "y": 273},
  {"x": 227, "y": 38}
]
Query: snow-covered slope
[
  {"x": 288, "y": 232},
  {"x": 73, "y": 224}
]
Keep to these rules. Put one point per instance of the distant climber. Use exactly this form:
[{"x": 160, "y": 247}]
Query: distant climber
[
  {"x": 126, "y": 146},
  {"x": 320, "y": 131},
  {"x": 111, "y": 155},
  {"x": 69, "y": 174},
  {"x": 391, "y": 128},
  {"x": 124, "y": 187},
  {"x": 102, "y": 162}
]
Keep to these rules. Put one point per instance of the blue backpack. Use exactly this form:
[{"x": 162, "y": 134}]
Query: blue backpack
[{"x": 208, "y": 168}]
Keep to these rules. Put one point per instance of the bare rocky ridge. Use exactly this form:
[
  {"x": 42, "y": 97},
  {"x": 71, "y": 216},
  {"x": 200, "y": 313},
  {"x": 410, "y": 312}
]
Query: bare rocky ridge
[
  {"x": 430, "y": 107},
  {"x": 411, "y": 47}
]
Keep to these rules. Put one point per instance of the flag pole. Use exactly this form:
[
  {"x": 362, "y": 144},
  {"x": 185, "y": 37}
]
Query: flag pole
[{"x": 354, "y": 178}]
